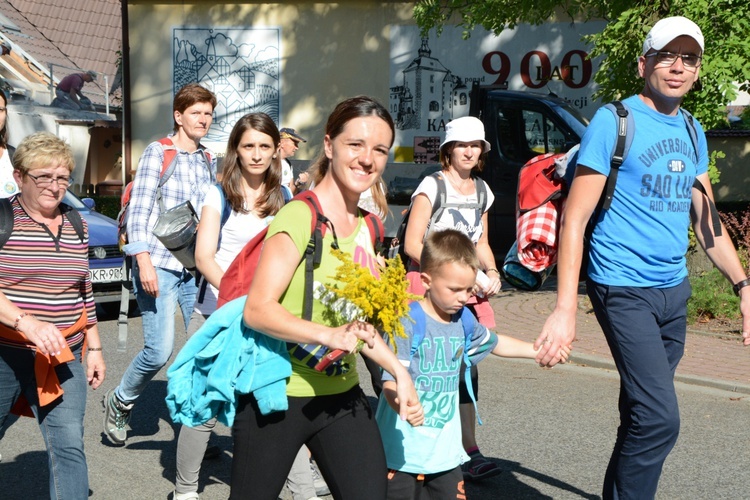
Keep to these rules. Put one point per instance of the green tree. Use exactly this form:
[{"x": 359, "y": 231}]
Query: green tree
[{"x": 725, "y": 25}]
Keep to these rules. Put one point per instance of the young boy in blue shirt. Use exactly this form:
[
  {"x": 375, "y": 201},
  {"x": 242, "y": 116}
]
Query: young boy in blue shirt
[{"x": 425, "y": 459}]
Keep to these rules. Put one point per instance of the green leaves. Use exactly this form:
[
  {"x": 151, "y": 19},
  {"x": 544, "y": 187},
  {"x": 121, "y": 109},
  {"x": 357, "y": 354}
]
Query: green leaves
[{"x": 725, "y": 25}]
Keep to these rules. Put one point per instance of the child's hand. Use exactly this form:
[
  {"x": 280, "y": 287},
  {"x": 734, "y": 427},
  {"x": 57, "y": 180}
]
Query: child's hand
[
  {"x": 565, "y": 353},
  {"x": 487, "y": 285},
  {"x": 406, "y": 397},
  {"x": 415, "y": 414}
]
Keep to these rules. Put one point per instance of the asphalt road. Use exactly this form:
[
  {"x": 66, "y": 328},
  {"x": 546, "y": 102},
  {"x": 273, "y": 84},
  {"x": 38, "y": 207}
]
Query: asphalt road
[{"x": 550, "y": 430}]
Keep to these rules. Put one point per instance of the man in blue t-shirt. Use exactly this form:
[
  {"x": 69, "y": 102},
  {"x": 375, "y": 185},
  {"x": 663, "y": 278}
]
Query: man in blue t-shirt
[{"x": 637, "y": 277}]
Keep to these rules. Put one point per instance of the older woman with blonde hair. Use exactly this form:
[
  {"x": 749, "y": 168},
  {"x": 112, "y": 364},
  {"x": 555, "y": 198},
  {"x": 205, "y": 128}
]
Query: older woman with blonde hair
[{"x": 47, "y": 314}]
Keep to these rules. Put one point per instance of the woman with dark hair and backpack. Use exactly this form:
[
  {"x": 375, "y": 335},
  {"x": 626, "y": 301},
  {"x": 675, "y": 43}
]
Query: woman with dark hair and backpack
[
  {"x": 8, "y": 186},
  {"x": 462, "y": 155},
  {"x": 233, "y": 213},
  {"x": 327, "y": 410}
]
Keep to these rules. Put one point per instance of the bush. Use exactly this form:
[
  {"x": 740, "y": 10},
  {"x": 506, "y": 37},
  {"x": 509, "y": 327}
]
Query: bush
[
  {"x": 713, "y": 297},
  {"x": 107, "y": 205}
]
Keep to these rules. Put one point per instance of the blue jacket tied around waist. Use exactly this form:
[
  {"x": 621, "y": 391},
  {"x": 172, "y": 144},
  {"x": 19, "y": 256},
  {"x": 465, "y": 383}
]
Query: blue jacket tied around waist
[{"x": 222, "y": 358}]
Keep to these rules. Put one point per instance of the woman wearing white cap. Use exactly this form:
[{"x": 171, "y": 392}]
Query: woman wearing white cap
[{"x": 462, "y": 155}]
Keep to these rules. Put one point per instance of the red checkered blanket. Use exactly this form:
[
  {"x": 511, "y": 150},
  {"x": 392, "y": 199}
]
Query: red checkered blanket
[
  {"x": 540, "y": 203},
  {"x": 537, "y": 236}
]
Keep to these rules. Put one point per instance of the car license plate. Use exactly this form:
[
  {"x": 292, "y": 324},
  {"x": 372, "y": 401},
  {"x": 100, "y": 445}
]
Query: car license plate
[{"x": 105, "y": 275}]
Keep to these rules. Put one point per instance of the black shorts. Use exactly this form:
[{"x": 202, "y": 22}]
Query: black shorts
[
  {"x": 448, "y": 485},
  {"x": 463, "y": 391}
]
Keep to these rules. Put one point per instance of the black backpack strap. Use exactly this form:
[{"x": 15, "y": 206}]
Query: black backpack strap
[
  {"x": 74, "y": 216},
  {"x": 693, "y": 133},
  {"x": 6, "y": 221},
  {"x": 376, "y": 230},
  {"x": 690, "y": 125},
  {"x": 618, "y": 156},
  {"x": 314, "y": 250},
  {"x": 202, "y": 287}
]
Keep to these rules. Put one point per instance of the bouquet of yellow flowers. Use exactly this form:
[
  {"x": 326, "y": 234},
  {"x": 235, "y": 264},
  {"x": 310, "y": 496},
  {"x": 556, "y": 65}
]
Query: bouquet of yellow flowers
[{"x": 381, "y": 301}]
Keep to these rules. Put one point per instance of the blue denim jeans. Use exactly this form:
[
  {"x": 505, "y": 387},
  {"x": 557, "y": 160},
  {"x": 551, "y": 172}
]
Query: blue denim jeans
[
  {"x": 157, "y": 315},
  {"x": 61, "y": 421},
  {"x": 645, "y": 329}
]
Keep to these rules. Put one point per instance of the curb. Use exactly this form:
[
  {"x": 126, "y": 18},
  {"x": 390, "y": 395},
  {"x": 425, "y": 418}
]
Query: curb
[{"x": 588, "y": 360}]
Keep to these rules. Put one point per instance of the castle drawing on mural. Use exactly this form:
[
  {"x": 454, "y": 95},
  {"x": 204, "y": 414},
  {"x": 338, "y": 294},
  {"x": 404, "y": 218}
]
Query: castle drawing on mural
[
  {"x": 240, "y": 66},
  {"x": 430, "y": 94}
]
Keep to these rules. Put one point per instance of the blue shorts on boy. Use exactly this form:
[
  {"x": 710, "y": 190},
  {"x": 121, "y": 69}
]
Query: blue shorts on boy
[{"x": 435, "y": 368}]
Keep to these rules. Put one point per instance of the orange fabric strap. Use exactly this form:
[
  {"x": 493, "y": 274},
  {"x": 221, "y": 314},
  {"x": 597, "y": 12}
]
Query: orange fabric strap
[{"x": 47, "y": 383}]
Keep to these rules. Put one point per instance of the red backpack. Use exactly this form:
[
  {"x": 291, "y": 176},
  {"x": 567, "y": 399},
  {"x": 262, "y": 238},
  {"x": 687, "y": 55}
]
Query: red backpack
[
  {"x": 543, "y": 185},
  {"x": 167, "y": 169},
  {"x": 238, "y": 276}
]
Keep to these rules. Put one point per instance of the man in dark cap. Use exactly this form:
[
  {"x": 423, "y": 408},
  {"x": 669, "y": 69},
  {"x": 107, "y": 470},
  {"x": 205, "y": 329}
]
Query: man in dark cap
[{"x": 289, "y": 145}]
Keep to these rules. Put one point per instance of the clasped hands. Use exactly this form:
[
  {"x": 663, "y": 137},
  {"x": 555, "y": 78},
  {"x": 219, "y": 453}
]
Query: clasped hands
[{"x": 550, "y": 352}]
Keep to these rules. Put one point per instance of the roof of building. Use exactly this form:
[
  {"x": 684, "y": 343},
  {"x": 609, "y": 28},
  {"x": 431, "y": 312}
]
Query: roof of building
[{"x": 75, "y": 36}]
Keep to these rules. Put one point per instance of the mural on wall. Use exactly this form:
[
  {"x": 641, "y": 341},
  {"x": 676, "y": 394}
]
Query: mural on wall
[
  {"x": 240, "y": 66},
  {"x": 431, "y": 77}
]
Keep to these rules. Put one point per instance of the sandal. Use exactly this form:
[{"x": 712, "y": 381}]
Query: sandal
[{"x": 479, "y": 468}]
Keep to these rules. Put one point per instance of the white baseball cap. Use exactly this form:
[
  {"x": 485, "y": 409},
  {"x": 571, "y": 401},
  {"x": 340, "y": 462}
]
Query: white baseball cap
[
  {"x": 670, "y": 28},
  {"x": 465, "y": 129}
]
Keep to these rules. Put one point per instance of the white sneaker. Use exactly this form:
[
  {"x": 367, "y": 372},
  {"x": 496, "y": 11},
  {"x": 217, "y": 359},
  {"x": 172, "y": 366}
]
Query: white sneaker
[{"x": 193, "y": 495}]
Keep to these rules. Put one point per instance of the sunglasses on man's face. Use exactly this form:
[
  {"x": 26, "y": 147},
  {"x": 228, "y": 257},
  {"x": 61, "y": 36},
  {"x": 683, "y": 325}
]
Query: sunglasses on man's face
[{"x": 666, "y": 58}]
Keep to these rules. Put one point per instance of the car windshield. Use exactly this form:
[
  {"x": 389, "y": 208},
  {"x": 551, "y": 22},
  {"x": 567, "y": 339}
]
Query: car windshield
[
  {"x": 429, "y": 170},
  {"x": 74, "y": 201},
  {"x": 572, "y": 118}
]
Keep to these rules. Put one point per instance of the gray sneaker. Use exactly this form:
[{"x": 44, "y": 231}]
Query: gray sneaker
[
  {"x": 116, "y": 417},
  {"x": 321, "y": 488}
]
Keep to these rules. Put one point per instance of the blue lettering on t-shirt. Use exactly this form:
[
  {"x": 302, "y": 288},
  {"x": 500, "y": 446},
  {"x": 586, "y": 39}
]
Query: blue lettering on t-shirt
[
  {"x": 661, "y": 186},
  {"x": 665, "y": 147},
  {"x": 439, "y": 408}
]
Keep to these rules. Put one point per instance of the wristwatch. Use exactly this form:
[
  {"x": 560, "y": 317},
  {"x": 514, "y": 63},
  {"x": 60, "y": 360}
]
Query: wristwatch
[{"x": 740, "y": 285}]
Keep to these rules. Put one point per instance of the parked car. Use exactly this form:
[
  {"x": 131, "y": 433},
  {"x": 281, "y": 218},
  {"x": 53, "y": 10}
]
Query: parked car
[
  {"x": 105, "y": 258},
  {"x": 401, "y": 187},
  {"x": 519, "y": 126}
]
